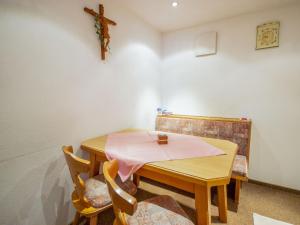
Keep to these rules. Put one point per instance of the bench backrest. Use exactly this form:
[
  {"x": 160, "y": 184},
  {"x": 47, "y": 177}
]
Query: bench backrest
[{"x": 233, "y": 129}]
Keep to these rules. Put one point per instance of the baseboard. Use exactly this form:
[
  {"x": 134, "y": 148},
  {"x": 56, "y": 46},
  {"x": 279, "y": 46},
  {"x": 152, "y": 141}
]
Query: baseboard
[{"x": 294, "y": 191}]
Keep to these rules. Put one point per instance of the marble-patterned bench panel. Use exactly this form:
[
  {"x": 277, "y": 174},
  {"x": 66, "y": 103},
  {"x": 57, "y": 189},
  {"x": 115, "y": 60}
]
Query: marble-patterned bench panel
[{"x": 235, "y": 130}]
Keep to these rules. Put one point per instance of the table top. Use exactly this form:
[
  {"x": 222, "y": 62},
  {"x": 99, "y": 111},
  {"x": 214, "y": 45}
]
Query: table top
[{"x": 204, "y": 169}]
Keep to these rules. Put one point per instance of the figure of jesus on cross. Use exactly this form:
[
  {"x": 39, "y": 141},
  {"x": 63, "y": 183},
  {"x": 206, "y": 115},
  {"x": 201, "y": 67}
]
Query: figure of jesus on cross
[{"x": 104, "y": 32}]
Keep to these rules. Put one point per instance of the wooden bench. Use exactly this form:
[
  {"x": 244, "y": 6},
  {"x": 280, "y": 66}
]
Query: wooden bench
[{"x": 233, "y": 129}]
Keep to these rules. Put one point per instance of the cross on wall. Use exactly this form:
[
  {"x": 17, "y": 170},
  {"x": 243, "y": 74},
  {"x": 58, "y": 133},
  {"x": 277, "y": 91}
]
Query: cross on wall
[{"x": 104, "y": 31}]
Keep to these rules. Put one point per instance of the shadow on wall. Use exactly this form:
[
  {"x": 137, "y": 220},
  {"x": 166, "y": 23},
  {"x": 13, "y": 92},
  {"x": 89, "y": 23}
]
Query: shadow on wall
[
  {"x": 55, "y": 208},
  {"x": 22, "y": 195},
  {"x": 39, "y": 191},
  {"x": 68, "y": 15}
]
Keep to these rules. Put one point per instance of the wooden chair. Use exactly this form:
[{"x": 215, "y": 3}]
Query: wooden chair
[
  {"x": 90, "y": 197},
  {"x": 157, "y": 210}
]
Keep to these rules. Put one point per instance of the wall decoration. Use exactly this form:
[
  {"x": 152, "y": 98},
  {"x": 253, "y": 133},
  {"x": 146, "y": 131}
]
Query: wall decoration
[
  {"x": 206, "y": 44},
  {"x": 267, "y": 35},
  {"x": 101, "y": 25}
]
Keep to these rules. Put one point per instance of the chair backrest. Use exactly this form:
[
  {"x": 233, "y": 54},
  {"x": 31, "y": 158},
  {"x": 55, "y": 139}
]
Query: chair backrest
[
  {"x": 121, "y": 200},
  {"x": 237, "y": 130},
  {"x": 76, "y": 166}
]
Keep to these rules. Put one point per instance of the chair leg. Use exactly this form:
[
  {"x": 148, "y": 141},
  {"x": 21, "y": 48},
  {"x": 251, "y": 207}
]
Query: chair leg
[
  {"x": 136, "y": 180},
  {"x": 93, "y": 220},
  {"x": 237, "y": 191},
  {"x": 76, "y": 218},
  {"x": 116, "y": 222}
]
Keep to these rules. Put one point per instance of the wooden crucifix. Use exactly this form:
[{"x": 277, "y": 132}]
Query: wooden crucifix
[{"x": 102, "y": 24}]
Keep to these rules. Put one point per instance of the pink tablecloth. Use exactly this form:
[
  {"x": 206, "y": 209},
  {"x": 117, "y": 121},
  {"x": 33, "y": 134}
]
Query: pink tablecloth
[{"x": 134, "y": 149}]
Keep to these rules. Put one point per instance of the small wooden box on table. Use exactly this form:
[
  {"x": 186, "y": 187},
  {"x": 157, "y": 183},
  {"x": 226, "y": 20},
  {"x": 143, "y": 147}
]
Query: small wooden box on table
[{"x": 162, "y": 139}]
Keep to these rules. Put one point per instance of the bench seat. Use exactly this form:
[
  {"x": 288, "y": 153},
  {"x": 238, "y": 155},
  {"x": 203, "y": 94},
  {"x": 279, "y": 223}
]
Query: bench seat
[
  {"x": 240, "y": 166},
  {"x": 237, "y": 130}
]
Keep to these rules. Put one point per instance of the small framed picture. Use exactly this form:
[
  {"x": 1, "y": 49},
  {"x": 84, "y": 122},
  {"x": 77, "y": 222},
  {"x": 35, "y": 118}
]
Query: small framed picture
[{"x": 267, "y": 35}]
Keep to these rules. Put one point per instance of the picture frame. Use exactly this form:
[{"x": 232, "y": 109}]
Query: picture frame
[{"x": 267, "y": 35}]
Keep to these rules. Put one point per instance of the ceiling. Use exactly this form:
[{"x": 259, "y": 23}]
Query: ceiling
[{"x": 164, "y": 17}]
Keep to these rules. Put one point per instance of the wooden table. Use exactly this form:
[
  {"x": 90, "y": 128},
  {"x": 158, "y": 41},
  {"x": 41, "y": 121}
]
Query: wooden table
[{"x": 195, "y": 175}]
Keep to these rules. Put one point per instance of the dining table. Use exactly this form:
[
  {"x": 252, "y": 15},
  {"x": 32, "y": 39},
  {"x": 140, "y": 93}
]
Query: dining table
[{"x": 195, "y": 175}]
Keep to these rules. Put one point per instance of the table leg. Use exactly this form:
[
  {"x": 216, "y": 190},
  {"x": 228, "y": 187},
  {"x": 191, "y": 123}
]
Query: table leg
[
  {"x": 222, "y": 203},
  {"x": 95, "y": 165},
  {"x": 203, "y": 204}
]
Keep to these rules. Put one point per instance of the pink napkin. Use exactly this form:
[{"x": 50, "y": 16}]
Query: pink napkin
[{"x": 134, "y": 149}]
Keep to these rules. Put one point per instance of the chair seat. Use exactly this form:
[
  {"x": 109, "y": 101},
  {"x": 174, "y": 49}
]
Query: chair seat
[
  {"x": 96, "y": 191},
  {"x": 160, "y": 210},
  {"x": 240, "y": 166}
]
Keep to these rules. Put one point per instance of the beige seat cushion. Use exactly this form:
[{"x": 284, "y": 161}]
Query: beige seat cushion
[
  {"x": 240, "y": 166},
  {"x": 161, "y": 210},
  {"x": 96, "y": 191}
]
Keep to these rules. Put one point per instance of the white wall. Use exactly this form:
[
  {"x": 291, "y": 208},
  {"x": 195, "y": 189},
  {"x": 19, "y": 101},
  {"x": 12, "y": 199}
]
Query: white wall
[
  {"x": 240, "y": 81},
  {"x": 55, "y": 90}
]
